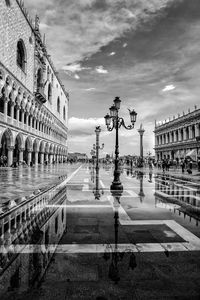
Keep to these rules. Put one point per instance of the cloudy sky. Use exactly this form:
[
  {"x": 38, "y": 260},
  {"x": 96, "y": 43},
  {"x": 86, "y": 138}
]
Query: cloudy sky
[{"x": 145, "y": 51}]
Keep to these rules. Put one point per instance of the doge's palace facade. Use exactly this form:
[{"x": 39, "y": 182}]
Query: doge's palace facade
[
  {"x": 33, "y": 101},
  {"x": 177, "y": 137}
]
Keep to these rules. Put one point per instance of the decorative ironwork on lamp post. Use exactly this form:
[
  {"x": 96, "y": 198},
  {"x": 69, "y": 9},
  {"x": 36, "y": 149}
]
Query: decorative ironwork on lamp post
[{"x": 113, "y": 121}]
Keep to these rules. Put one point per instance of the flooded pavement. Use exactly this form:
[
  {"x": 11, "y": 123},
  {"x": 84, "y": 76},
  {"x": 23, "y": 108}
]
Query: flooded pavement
[
  {"x": 23, "y": 181},
  {"x": 143, "y": 243}
]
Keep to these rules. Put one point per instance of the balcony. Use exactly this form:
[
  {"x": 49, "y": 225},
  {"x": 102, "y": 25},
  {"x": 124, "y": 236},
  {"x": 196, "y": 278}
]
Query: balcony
[{"x": 39, "y": 94}]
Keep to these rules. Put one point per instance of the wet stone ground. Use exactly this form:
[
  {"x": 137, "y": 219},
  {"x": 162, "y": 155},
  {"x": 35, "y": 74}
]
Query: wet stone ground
[{"x": 158, "y": 244}]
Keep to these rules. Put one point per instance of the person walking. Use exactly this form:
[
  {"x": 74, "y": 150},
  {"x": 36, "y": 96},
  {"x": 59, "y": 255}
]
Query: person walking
[
  {"x": 163, "y": 165},
  {"x": 182, "y": 166}
]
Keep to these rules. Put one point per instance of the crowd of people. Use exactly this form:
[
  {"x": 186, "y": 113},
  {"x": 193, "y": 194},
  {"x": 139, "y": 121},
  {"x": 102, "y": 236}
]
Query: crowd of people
[{"x": 185, "y": 164}]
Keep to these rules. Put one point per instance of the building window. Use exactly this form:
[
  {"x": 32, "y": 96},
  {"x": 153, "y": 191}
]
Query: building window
[
  {"x": 39, "y": 79},
  {"x": 7, "y": 3},
  {"x": 64, "y": 113},
  {"x": 9, "y": 108},
  {"x": 58, "y": 105},
  {"x": 21, "y": 55},
  {"x": 56, "y": 225},
  {"x": 193, "y": 131},
  {"x": 49, "y": 92},
  {"x": 1, "y": 104}
]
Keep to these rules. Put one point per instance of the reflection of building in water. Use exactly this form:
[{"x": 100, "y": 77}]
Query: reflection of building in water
[
  {"x": 33, "y": 101},
  {"x": 176, "y": 138},
  {"x": 185, "y": 194},
  {"x": 27, "y": 228}
]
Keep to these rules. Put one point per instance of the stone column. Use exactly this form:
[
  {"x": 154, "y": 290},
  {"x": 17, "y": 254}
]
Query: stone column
[
  {"x": 51, "y": 158},
  {"x": 17, "y": 115},
  {"x": 184, "y": 133},
  {"x": 179, "y": 134},
  {"x": 41, "y": 157},
  {"x": 141, "y": 133},
  {"x": 197, "y": 131},
  {"x": 45, "y": 156},
  {"x": 12, "y": 112},
  {"x": 29, "y": 157},
  {"x": 5, "y": 109},
  {"x": 22, "y": 118},
  {"x": 21, "y": 152},
  {"x": 36, "y": 158},
  {"x": 190, "y": 132},
  {"x": 26, "y": 123},
  {"x": 10, "y": 156}
]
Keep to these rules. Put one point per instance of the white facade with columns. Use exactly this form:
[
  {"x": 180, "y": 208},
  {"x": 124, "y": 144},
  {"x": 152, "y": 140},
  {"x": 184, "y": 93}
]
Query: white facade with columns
[{"x": 175, "y": 138}]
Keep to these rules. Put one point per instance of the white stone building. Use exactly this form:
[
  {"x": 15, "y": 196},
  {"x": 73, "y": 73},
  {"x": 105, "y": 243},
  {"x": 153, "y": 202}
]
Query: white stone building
[
  {"x": 33, "y": 101},
  {"x": 179, "y": 137}
]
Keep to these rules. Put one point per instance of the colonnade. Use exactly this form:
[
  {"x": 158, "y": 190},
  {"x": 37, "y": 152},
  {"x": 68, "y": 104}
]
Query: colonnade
[
  {"x": 178, "y": 135},
  {"x": 20, "y": 148}
]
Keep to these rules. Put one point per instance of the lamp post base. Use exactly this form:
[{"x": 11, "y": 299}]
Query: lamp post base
[{"x": 116, "y": 186}]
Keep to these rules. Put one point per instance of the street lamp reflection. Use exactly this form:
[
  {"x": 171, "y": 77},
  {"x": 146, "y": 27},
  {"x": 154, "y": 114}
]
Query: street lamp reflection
[{"x": 113, "y": 252}]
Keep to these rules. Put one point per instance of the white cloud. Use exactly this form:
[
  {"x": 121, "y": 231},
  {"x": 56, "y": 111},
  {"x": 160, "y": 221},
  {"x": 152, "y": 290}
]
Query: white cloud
[
  {"x": 87, "y": 125},
  {"x": 76, "y": 76},
  {"x": 76, "y": 67},
  {"x": 112, "y": 53},
  {"x": 101, "y": 70},
  {"x": 72, "y": 34},
  {"x": 90, "y": 89},
  {"x": 44, "y": 26},
  {"x": 169, "y": 87}
]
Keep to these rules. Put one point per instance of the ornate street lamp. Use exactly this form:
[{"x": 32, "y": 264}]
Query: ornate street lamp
[{"x": 113, "y": 121}]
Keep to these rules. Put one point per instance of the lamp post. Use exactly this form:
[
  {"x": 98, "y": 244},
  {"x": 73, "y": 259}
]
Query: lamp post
[
  {"x": 97, "y": 148},
  {"x": 141, "y": 133},
  {"x": 113, "y": 121}
]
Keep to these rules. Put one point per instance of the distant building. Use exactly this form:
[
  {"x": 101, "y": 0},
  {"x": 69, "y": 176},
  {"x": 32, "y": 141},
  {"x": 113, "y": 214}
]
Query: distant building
[
  {"x": 76, "y": 156},
  {"x": 179, "y": 137},
  {"x": 33, "y": 101}
]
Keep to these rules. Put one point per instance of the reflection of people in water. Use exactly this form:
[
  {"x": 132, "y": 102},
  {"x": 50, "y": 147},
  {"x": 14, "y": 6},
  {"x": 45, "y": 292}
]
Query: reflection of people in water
[{"x": 150, "y": 177}]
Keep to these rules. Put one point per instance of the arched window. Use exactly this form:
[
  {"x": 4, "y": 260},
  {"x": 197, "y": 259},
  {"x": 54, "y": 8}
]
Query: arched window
[
  {"x": 15, "y": 111},
  {"x": 9, "y": 108},
  {"x": 21, "y": 55},
  {"x": 8, "y": 3},
  {"x": 58, "y": 105},
  {"x": 1, "y": 104},
  {"x": 64, "y": 113},
  {"x": 39, "y": 78},
  {"x": 49, "y": 92}
]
